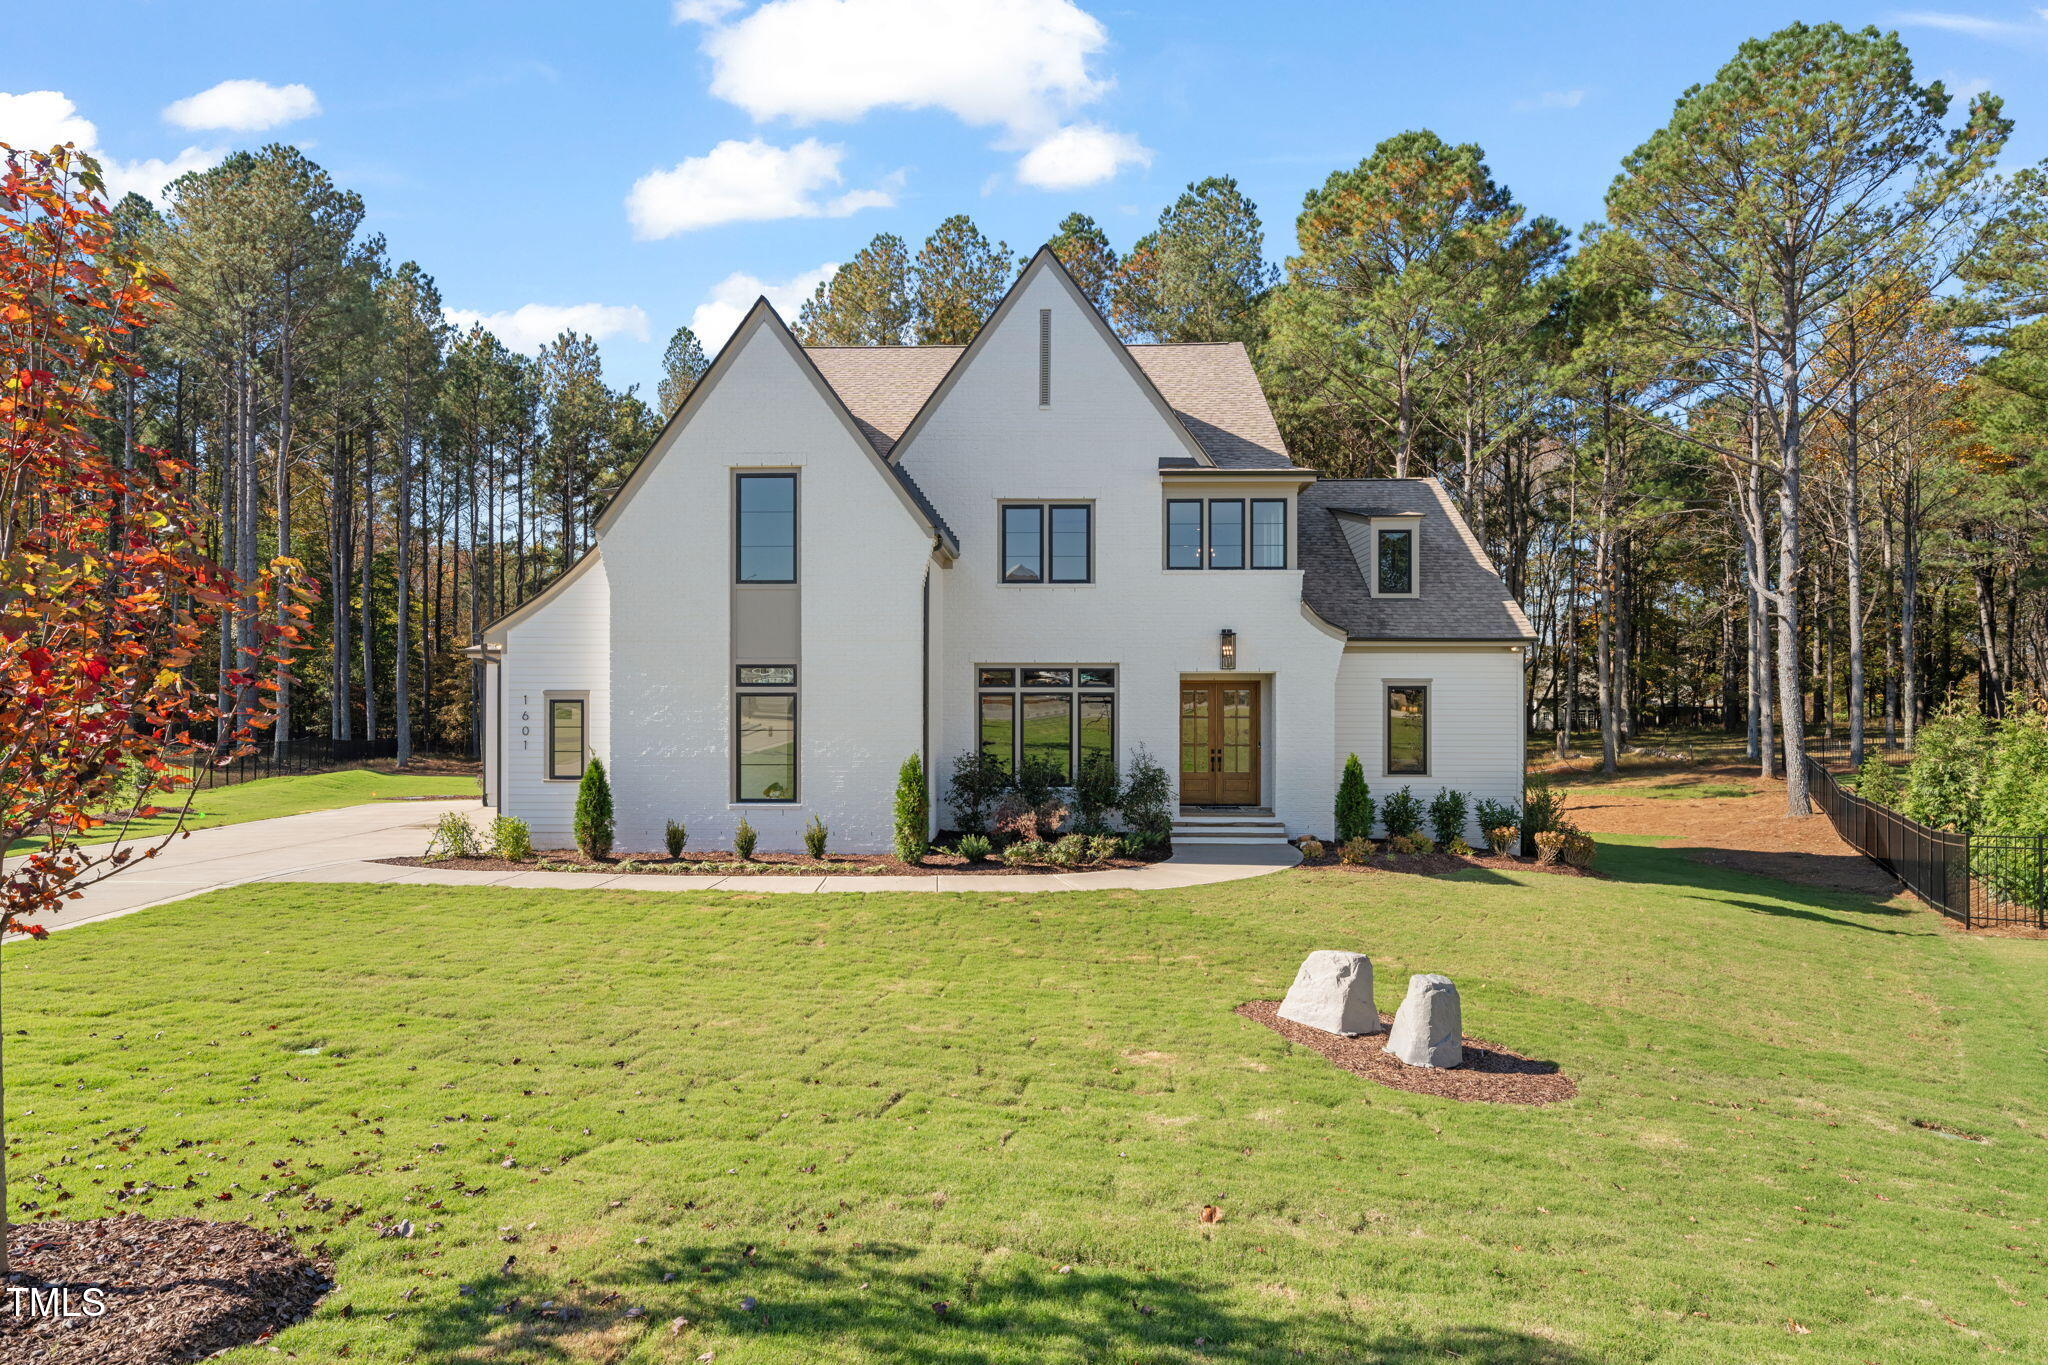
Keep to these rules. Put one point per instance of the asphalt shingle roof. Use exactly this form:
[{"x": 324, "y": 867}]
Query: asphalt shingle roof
[
  {"x": 1211, "y": 387},
  {"x": 1462, "y": 596}
]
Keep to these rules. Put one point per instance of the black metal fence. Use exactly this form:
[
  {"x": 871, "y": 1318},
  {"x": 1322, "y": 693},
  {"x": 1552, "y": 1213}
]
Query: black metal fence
[
  {"x": 1979, "y": 879},
  {"x": 292, "y": 757}
]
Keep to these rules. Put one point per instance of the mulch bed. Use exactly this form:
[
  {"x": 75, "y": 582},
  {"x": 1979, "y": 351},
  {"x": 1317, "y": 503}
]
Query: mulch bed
[
  {"x": 722, "y": 864},
  {"x": 1490, "y": 1074},
  {"x": 1437, "y": 864},
  {"x": 174, "y": 1289}
]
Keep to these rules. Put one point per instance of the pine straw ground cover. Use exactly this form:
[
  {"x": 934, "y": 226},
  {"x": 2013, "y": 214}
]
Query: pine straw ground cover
[{"x": 982, "y": 1128}]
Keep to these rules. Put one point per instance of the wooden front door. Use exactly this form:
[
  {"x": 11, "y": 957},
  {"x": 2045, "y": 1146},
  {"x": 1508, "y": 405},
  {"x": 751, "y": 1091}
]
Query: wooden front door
[{"x": 1219, "y": 744}]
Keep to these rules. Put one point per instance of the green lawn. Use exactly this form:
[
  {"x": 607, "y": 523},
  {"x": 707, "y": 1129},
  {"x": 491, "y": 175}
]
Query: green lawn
[
  {"x": 273, "y": 796},
  {"x": 848, "y": 1108}
]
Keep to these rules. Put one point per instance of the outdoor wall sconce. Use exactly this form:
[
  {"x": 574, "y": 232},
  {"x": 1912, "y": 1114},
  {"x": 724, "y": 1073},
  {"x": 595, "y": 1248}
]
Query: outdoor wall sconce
[{"x": 1229, "y": 649}]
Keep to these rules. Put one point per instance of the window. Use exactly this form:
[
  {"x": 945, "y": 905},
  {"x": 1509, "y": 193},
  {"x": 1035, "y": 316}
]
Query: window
[
  {"x": 1048, "y": 542},
  {"x": 1394, "y": 561},
  {"x": 1269, "y": 533},
  {"x": 1183, "y": 534},
  {"x": 567, "y": 749},
  {"x": 767, "y": 675},
  {"x": 1060, "y": 714},
  {"x": 1216, "y": 535},
  {"x": 765, "y": 528},
  {"x": 1226, "y": 534},
  {"x": 765, "y": 726},
  {"x": 1408, "y": 729}
]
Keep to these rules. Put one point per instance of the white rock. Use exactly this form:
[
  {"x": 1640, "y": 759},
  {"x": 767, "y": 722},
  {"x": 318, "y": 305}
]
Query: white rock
[
  {"x": 1429, "y": 1028},
  {"x": 1333, "y": 992}
]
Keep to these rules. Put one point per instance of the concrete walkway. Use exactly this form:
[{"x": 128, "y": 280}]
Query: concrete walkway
[{"x": 339, "y": 846}]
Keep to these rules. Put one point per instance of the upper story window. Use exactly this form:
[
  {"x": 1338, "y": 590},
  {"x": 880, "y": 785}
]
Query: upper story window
[
  {"x": 1226, "y": 533},
  {"x": 764, "y": 532},
  {"x": 1393, "y": 560},
  {"x": 1048, "y": 542}
]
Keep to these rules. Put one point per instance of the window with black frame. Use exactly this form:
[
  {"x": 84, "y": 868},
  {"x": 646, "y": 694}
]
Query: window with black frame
[
  {"x": 764, "y": 732},
  {"x": 1226, "y": 533},
  {"x": 1048, "y": 542},
  {"x": 1060, "y": 714},
  {"x": 764, "y": 528},
  {"x": 1394, "y": 556},
  {"x": 1408, "y": 729}
]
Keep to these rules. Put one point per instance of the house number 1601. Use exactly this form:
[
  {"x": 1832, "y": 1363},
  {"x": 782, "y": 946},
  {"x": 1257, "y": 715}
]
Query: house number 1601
[{"x": 525, "y": 714}]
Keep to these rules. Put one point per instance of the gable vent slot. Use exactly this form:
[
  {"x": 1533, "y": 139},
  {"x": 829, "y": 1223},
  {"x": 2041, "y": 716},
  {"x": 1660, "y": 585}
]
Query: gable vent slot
[{"x": 1045, "y": 357}]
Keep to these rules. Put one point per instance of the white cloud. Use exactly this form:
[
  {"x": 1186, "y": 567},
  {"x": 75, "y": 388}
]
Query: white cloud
[
  {"x": 1022, "y": 66},
  {"x": 701, "y": 11},
  {"x": 716, "y": 317},
  {"x": 532, "y": 325},
  {"x": 243, "y": 106},
  {"x": 1973, "y": 25},
  {"x": 738, "y": 182},
  {"x": 42, "y": 119},
  {"x": 1083, "y": 154}
]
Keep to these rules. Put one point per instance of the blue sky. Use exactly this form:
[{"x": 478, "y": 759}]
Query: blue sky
[{"x": 633, "y": 165}]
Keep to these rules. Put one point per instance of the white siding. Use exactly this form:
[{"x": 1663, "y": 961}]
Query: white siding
[
  {"x": 861, "y": 566},
  {"x": 1475, "y": 719},
  {"x": 561, "y": 647},
  {"x": 1101, "y": 440}
]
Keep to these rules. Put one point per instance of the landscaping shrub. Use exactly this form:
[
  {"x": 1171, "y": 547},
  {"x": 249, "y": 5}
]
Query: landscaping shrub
[
  {"x": 1411, "y": 845},
  {"x": 1312, "y": 849},
  {"x": 744, "y": 837},
  {"x": 1878, "y": 781},
  {"x": 1075, "y": 850},
  {"x": 1103, "y": 847},
  {"x": 510, "y": 838},
  {"x": 1459, "y": 847},
  {"x": 1946, "y": 780},
  {"x": 1542, "y": 810},
  {"x": 975, "y": 848},
  {"x": 913, "y": 812},
  {"x": 1447, "y": 815},
  {"x": 677, "y": 837},
  {"x": 1579, "y": 849},
  {"x": 1133, "y": 846},
  {"x": 1490, "y": 814},
  {"x": 1025, "y": 852},
  {"x": 1550, "y": 846},
  {"x": 979, "y": 781},
  {"x": 1095, "y": 792},
  {"x": 815, "y": 834},
  {"x": 2015, "y": 799},
  {"x": 1502, "y": 839},
  {"x": 1147, "y": 800},
  {"x": 454, "y": 837},
  {"x": 593, "y": 823},
  {"x": 1354, "y": 803},
  {"x": 1401, "y": 813},
  {"x": 1355, "y": 851}
]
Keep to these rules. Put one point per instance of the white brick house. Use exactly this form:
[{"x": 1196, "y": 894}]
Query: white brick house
[{"x": 1043, "y": 542}]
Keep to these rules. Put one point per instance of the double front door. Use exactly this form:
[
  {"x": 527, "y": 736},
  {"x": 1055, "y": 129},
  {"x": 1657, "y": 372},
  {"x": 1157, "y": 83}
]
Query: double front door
[{"x": 1219, "y": 743}]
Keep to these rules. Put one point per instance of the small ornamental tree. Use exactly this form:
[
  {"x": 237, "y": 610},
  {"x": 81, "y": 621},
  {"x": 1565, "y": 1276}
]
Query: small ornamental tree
[
  {"x": 1354, "y": 803},
  {"x": 105, "y": 596},
  {"x": 593, "y": 824},
  {"x": 913, "y": 812}
]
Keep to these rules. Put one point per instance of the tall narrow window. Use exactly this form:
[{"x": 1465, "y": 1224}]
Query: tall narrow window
[
  {"x": 1045, "y": 357},
  {"x": 1183, "y": 534},
  {"x": 1046, "y": 731},
  {"x": 1070, "y": 544},
  {"x": 1408, "y": 729},
  {"x": 567, "y": 738},
  {"x": 999, "y": 726},
  {"x": 766, "y": 762},
  {"x": 1269, "y": 533},
  {"x": 1226, "y": 533},
  {"x": 1023, "y": 544},
  {"x": 765, "y": 529},
  {"x": 1395, "y": 552}
]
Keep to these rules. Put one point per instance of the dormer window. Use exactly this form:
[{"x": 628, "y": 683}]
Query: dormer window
[{"x": 1393, "y": 559}]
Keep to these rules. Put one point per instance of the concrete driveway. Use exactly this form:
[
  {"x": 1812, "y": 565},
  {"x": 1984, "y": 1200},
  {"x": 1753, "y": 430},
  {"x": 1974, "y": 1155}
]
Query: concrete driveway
[{"x": 259, "y": 850}]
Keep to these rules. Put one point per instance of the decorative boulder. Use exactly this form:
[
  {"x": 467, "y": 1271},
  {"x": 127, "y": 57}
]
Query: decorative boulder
[
  {"x": 1429, "y": 1028},
  {"x": 1333, "y": 992}
]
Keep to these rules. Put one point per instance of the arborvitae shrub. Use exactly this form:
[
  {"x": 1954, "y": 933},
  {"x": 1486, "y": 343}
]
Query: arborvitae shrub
[{"x": 593, "y": 825}]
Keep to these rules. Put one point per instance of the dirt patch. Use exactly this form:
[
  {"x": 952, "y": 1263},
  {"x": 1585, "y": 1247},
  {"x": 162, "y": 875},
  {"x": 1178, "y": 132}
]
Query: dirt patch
[
  {"x": 724, "y": 864},
  {"x": 1490, "y": 1074},
  {"x": 173, "y": 1289},
  {"x": 1437, "y": 864}
]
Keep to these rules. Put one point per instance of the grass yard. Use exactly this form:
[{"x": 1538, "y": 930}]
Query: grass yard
[
  {"x": 953, "y": 1129},
  {"x": 268, "y": 797}
]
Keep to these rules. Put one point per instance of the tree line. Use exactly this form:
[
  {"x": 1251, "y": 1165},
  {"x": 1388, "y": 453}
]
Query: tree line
[{"x": 1760, "y": 450}]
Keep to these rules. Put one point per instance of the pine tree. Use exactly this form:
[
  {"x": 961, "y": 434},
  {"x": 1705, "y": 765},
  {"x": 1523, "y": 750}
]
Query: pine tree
[
  {"x": 1084, "y": 250},
  {"x": 593, "y": 821},
  {"x": 913, "y": 812},
  {"x": 1202, "y": 275},
  {"x": 1354, "y": 803},
  {"x": 867, "y": 302},
  {"x": 682, "y": 365},
  {"x": 960, "y": 280}
]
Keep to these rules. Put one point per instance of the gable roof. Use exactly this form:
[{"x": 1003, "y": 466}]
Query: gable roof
[
  {"x": 1210, "y": 386},
  {"x": 763, "y": 315},
  {"x": 1462, "y": 596}
]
